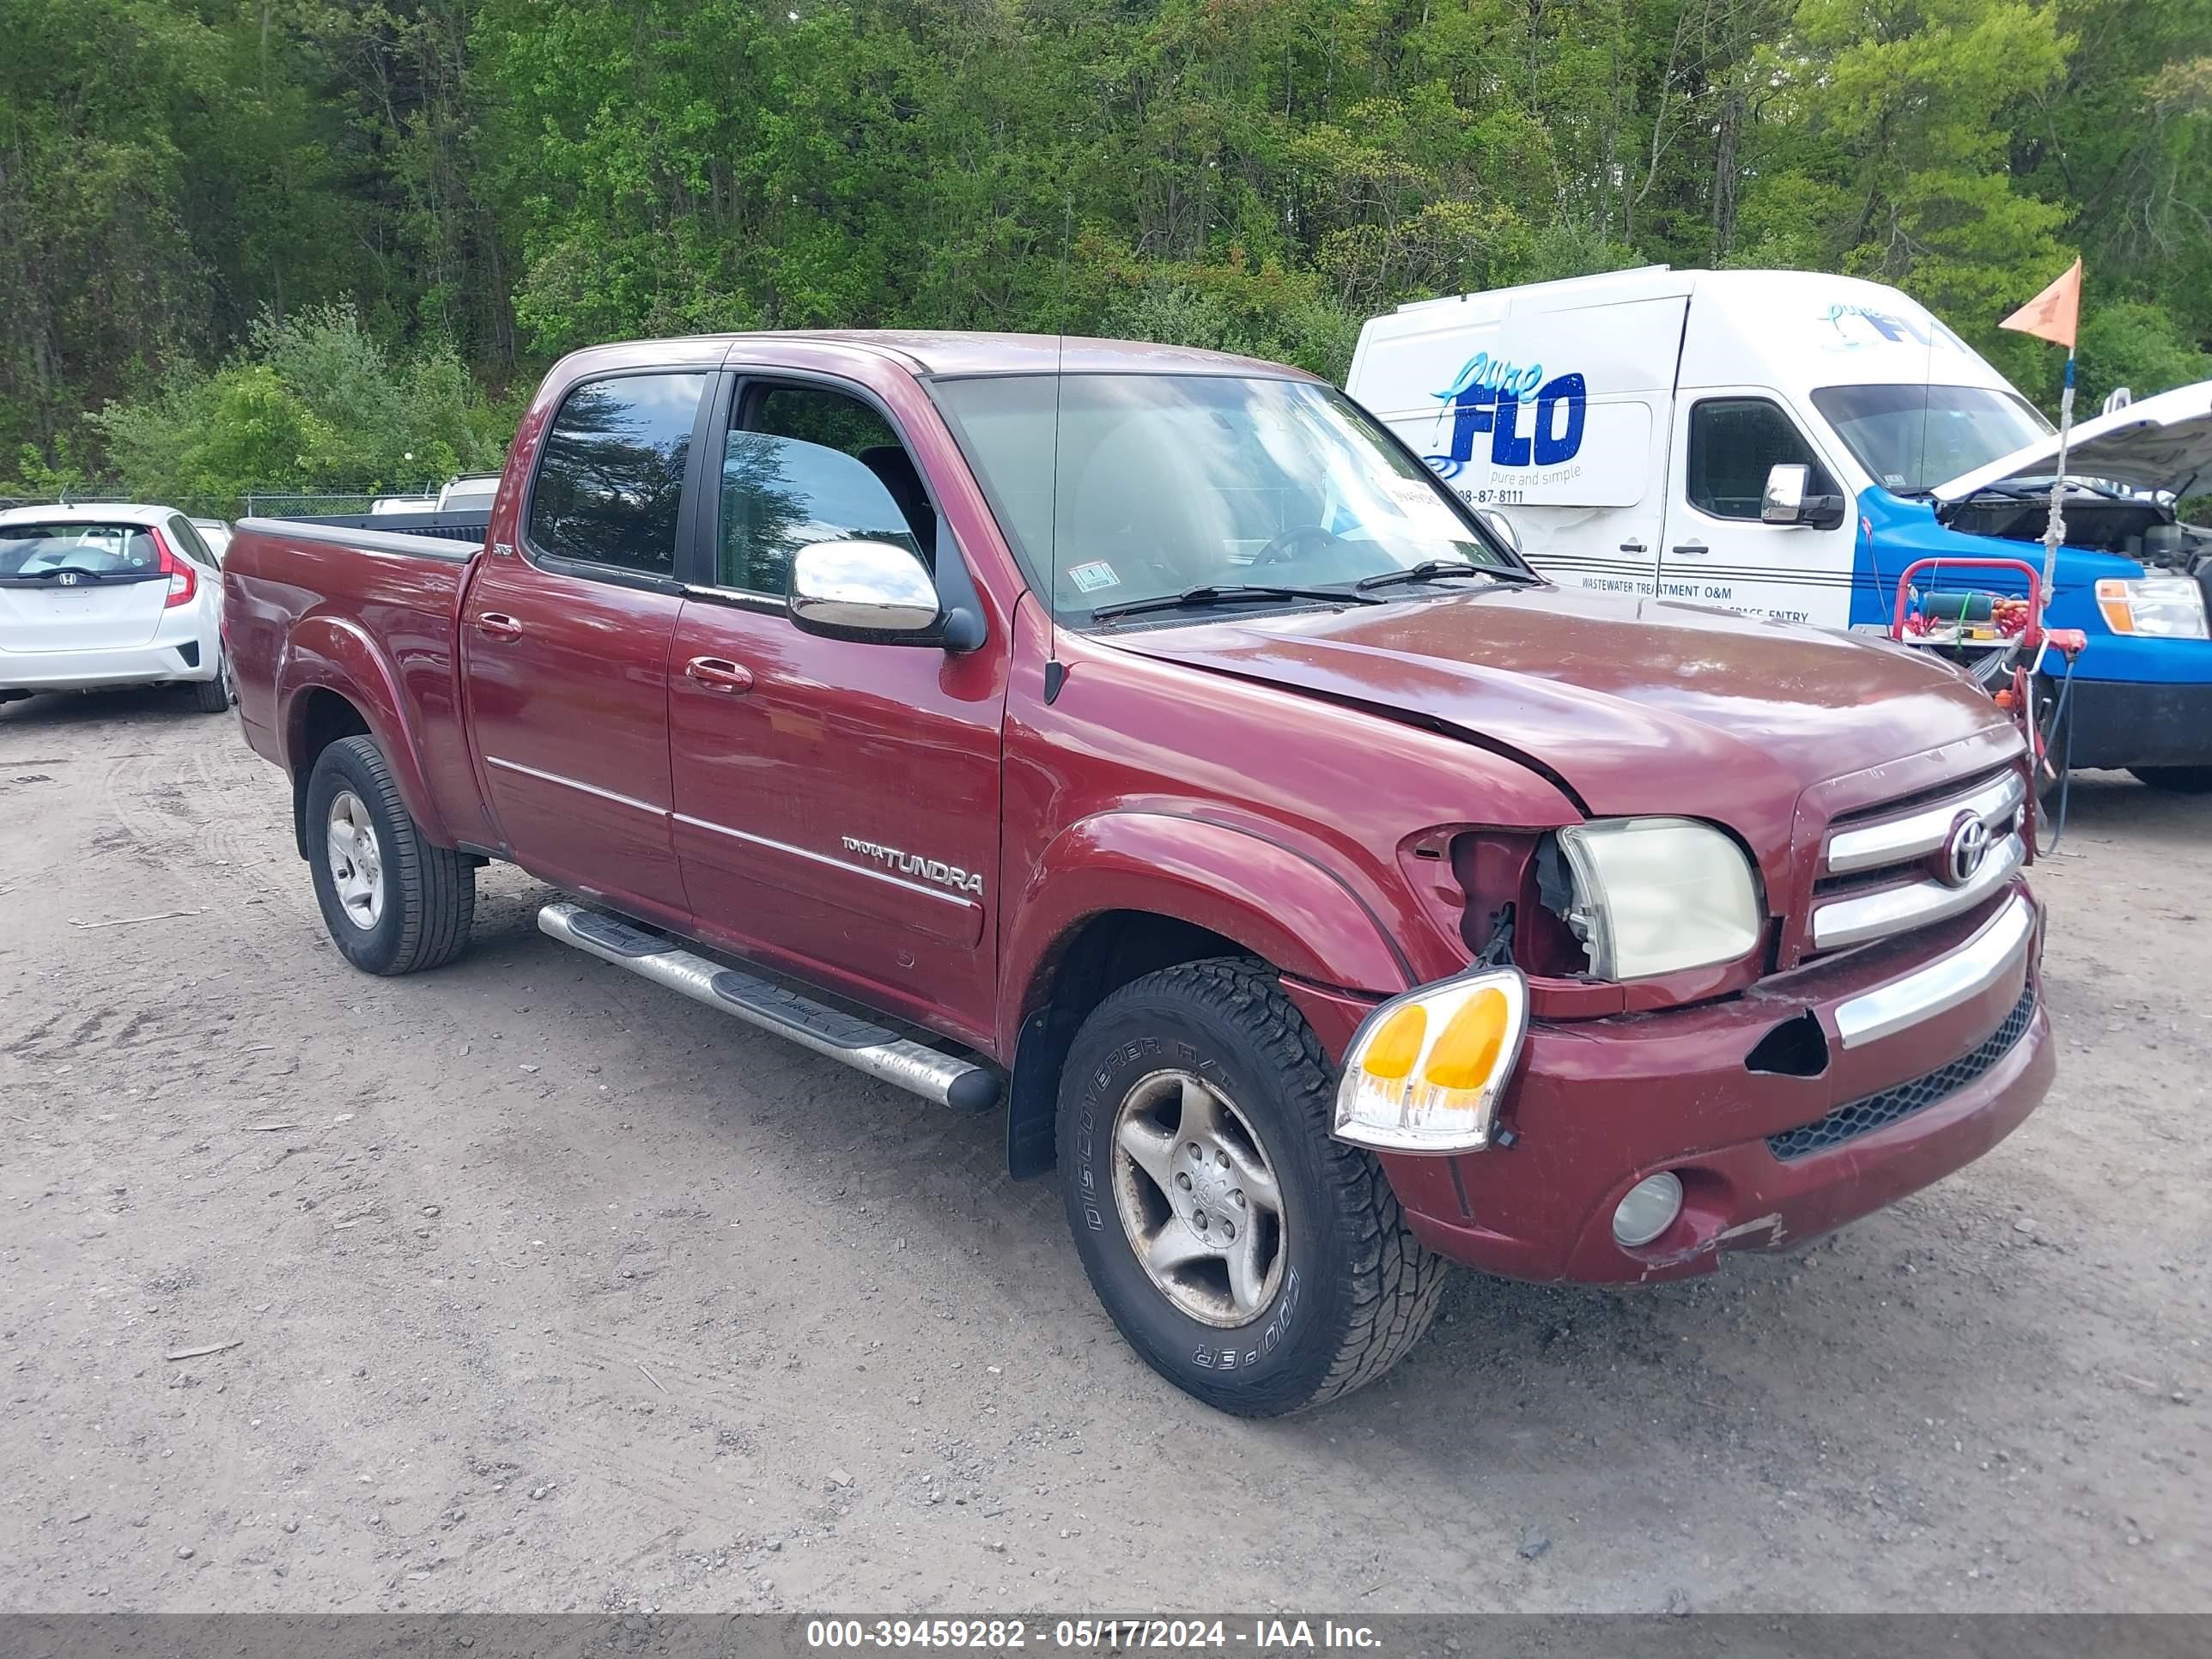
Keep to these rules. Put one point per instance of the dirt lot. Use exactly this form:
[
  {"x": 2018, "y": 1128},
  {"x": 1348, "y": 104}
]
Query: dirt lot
[{"x": 553, "y": 1292}]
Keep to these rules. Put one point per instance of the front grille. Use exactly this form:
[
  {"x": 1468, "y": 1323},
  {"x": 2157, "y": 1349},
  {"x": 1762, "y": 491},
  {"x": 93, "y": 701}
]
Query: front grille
[
  {"x": 1884, "y": 870},
  {"x": 1875, "y": 1111}
]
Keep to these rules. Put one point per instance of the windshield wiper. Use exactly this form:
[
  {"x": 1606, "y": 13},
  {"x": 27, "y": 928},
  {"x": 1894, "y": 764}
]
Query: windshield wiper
[
  {"x": 58, "y": 570},
  {"x": 2036, "y": 486},
  {"x": 1430, "y": 570},
  {"x": 1229, "y": 594}
]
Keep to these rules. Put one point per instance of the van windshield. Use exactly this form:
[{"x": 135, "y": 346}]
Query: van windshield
[
  {"x": 1912, "y": 438},
  {"x": 1121, "y": 489}
]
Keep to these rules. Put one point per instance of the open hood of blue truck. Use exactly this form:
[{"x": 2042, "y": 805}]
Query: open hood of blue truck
[{"x": 2160, "y": 443}]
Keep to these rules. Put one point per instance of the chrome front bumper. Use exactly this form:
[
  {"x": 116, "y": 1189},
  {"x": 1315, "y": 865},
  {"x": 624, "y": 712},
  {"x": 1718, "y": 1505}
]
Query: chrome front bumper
[{"x": 2001, "y": 944}]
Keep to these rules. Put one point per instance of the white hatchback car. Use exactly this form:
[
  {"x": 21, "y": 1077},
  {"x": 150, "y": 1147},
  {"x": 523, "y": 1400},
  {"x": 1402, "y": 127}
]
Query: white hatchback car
[{"x": 109, "y": 595}]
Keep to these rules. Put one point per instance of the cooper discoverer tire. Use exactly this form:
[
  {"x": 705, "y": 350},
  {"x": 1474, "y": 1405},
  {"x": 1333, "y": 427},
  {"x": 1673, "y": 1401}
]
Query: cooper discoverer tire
[
  {"x": 393, "y": 902},
  {"x": 1195, "y": 1102}
]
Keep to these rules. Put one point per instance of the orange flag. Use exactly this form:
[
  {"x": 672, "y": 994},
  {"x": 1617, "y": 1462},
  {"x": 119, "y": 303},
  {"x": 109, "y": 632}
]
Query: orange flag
[{"x": 2052, "y": 315}]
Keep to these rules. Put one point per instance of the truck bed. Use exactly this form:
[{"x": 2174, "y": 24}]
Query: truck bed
[
  {"x": 308, "y": 606},
  {"x": 469, "y": 525}
]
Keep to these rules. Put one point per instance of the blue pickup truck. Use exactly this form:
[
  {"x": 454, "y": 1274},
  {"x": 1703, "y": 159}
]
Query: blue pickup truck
[{"x": 2134, "y": 578}]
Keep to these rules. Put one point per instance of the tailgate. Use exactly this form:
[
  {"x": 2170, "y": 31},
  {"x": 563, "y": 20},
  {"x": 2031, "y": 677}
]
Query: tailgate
[{"x": 289, "y": 586}]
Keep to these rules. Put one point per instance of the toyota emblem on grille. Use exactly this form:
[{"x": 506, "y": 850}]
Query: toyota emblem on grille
[{"x": 1964, "y": 852}]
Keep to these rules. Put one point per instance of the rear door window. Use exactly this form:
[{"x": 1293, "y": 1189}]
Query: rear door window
[
  {"x": 1734, "y": 441},
  {"x": 610, "y": 481},
  {"x": 811, "y": 464},
  {"x": 187, "y": 538}
]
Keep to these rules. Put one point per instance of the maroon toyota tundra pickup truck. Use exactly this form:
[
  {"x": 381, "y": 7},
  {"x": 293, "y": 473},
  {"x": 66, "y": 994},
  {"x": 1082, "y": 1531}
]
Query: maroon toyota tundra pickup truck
[{"x": 1139, "y": 743}]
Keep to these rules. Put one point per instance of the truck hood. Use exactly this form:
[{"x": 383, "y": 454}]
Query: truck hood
[
  {"x": 2160, "y": 443},
  {"x": 1634, "y": 705}
]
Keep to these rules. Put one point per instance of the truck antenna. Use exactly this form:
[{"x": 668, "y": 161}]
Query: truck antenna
[{"x": 1055, "y": 672}]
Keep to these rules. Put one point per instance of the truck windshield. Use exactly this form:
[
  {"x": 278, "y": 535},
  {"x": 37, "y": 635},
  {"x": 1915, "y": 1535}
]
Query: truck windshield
[
  {"x": 1117, "y": 489},
  {"x": 1912, "y": 438}
]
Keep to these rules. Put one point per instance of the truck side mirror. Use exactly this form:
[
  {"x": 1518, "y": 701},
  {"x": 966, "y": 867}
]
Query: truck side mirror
[
  {"x": 1789, "y": 501},
  {"x": 874, "y": 592}
]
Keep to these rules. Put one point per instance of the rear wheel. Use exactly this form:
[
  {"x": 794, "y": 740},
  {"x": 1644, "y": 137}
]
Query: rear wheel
[
  {"x": 394, "y": 902},
  {"x": 2180, "y": 779},
  {"x": 1249, "y": 1259},
  {"x": 214, "y": 697}
]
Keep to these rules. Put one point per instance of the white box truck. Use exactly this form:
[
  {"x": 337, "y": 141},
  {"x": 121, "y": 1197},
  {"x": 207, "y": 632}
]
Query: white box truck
[{"x": 1786, "y": 443}]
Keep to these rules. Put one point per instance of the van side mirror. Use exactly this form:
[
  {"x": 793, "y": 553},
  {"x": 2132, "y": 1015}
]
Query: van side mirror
[
  {"x": 1788, "y": 499},
  {"x": 881, "y": 593}
]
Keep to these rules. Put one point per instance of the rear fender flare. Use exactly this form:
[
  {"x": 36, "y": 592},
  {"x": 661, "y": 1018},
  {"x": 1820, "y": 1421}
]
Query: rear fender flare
[{"x": 333, "y": 654}]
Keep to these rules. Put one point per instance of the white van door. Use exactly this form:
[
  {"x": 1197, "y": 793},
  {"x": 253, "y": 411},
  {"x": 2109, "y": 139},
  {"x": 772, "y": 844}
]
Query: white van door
[
  {"x": 1606, "y": 534},
  {"x": 1716, "y": 549}
]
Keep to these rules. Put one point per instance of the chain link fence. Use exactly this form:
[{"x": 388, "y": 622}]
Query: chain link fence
[
  {"x": 328, "y": 504},
  {"x": 253, "y": 504},
  {"x": 192, "y": 507}
]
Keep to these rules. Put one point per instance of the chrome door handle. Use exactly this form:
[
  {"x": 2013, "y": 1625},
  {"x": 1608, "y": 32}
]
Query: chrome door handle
[
  {"x": 719, "y": 674},
  {"x": 1634, "y": 547},
  {"x": 1692, "y": 547},
  {"x": 499, "y": 626}
]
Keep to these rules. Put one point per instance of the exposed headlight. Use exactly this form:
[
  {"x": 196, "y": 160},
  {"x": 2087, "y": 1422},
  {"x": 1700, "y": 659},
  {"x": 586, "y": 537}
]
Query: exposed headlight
[
  {"x": 1655, "y": 896},
  {"x": 1425, "y": 1070},
  {"x": 2155, "y": 607}
]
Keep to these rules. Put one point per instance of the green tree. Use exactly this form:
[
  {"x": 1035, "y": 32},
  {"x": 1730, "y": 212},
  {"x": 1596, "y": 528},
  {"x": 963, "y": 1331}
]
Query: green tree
[
  {"x": 313, "y": 402},
  {"x": 187, "y": 186}
]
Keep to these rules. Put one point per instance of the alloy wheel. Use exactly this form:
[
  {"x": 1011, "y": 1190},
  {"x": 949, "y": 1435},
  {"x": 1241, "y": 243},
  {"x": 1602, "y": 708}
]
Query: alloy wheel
[
  {"x": 1198, "y": 1198},
  {"x": 356, "y": 861}
]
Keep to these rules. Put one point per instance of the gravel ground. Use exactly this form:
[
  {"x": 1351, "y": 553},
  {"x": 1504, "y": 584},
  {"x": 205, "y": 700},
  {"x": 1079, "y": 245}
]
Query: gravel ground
[{"x": 545, "y": 1290}]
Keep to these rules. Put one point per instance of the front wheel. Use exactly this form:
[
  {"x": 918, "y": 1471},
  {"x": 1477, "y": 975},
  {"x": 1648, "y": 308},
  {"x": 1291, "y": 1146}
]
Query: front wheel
[
  {"x": 2179, "y": 780},
  {"x": 394, "y": 902},
  {"x": 1249, "y": 1258}
]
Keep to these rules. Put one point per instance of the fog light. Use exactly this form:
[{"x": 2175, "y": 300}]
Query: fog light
[{"x": 1648, "y": 1210}]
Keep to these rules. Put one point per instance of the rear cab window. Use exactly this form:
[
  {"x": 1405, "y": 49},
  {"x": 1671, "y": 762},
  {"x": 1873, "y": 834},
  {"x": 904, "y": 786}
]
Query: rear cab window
[{"x": 608, "y": 492}]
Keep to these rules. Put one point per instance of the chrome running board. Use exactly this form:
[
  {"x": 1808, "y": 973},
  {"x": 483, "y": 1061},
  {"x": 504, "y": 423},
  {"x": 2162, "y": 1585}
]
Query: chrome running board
[{"x": 964, "y": 1084}]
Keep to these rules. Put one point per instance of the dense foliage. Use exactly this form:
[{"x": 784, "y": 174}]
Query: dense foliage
[{"x": 290, "y": 242}]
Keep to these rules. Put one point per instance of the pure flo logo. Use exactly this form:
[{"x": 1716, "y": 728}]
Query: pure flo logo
[
  {"x": 1859, "y": 325},
  {"x": 1488, "y": 395},
  {"x": 912, "y": 864}
]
